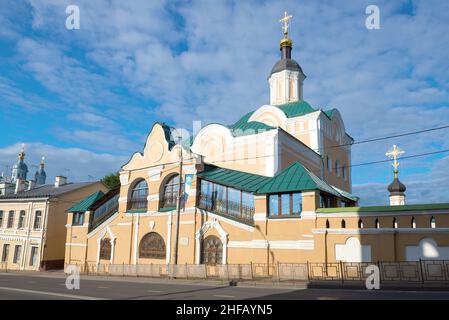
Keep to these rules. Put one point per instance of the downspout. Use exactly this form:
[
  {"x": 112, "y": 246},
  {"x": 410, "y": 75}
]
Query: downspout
[
  {"x": 43, "y": 236},
  {"x": 136, "y": 233},
  {"x": 27, "y": 240}
]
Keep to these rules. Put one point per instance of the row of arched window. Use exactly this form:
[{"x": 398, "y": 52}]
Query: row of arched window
[
  {"x": 139, "y": 194},
  {"x": 152, "y": 246},
  {"x": 377, "y": 225}
]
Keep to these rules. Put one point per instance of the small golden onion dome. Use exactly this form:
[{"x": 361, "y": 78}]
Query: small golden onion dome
[{"x": 286, "y": 42}]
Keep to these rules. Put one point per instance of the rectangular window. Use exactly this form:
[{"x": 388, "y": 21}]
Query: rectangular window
[
  {"x": 5, "y": 253},
  {"x": 337, "y": 168},
  {"x": 17, "y": 254},
  {"x": 21, "y": 223},
  {"x": 33, "y": 257},
  {"x": 325, "y": 201},
  {"x": 285, "y": 204},
  {"x": 274, "y": 204},
  {"x": 10, "y": 223},
  {"x": 225, "y": 200},
  {"x": 37, "y": 220},
  {"x": 1, "y": 218},
  {"x": 78, "y": 218},
  {"x": 296, "y": 203}
]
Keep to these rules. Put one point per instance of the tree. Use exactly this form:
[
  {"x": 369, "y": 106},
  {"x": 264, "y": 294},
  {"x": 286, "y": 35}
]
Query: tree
[{"x": 112, "y": 180}]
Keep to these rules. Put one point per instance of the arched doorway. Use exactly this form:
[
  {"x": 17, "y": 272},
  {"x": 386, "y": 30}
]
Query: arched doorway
[{"x": 212, "y": 250}]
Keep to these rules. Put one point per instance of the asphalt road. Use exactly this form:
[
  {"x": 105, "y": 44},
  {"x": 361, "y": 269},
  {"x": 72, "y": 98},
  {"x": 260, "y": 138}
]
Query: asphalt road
[{"x": 44, "y": 287}]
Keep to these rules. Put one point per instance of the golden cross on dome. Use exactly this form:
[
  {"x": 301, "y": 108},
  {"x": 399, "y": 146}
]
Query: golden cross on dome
[
  {"x": 286, "y": 22},
  {"x": 22, "y": 152},
  {"x": 395, "y": 153}
]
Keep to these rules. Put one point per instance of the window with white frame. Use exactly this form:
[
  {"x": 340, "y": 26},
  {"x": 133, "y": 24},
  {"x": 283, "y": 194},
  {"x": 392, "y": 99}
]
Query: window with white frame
[
  {"x": 17, "y": 254},
  {"x": 22, "y": 216},
  {"x": 34, "y": 256},
  {"x": 10, "y": 222},
  {"x": 37, "y": 220}
]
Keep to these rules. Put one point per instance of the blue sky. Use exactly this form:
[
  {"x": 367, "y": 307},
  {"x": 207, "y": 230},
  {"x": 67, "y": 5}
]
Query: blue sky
[{"x": 86, "y": 98}]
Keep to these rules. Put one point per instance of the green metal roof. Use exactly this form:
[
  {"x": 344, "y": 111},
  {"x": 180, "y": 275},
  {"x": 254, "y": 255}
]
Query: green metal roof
[
  {"x": 85, "y": 204},
  {"x": 297, "y": 108},
  {"x": 410, "y": 207},
  {"x": 242, "y": 127},
  {"x": 294, "y": 178},
  {"x": 248, "y": 128},
  {"x": 235, "y": 179},
  {"x": 346, "y": 194},
  {"x": 329, "y": 113}
]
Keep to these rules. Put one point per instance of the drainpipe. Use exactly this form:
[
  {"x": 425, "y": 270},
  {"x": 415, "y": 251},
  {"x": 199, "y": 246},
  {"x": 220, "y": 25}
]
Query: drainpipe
[{"x": 43, "y": 233}]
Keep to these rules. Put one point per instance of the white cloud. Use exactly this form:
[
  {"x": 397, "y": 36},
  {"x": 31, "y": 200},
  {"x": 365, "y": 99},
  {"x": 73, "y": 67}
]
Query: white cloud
[{"x": 209, "y": 60}]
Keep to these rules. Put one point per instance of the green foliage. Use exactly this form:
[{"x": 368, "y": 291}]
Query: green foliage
[{"x": 112, "y": 180}]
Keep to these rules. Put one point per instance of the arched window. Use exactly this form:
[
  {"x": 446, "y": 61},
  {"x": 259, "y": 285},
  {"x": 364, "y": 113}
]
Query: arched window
[
  {"x": 360, "y": 224},
  {"x": 152, "y": 246},
  {"x": 139, "y": 195},
  {"x": 395, "y": 223},
  {"x": 343, "y": 224},
  {"x": 377, "y": 224},
  {"x": 212, "y": 251},
  {"x": 170, "y": 196},
  {"x": 413, "y": 223},
  {"x": 327, "y": 224},
  {"x": 433, "y": 223},
  {"x": 105, "y": 249}
]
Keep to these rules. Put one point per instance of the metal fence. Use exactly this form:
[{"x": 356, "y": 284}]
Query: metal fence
[{"x": 405, "y": 272}]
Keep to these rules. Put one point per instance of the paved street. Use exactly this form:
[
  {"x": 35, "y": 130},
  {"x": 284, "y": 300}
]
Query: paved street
[{"x": 52, "y": 286}]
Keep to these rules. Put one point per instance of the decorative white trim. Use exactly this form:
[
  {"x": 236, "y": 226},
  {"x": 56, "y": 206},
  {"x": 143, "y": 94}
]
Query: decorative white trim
[
  {"x": 153, "y": 197},
  {"x": 234, "y": 223},
  {"x": 19, "y": 238},
  {"x": 112, "y": 241},
  {"x": 381, "y": 213},
  {"x": 154, "y": 173},
  {"x": 124, "y": 178},
  {"x": 380, "y": 231},
  {"x": 169, "y": 226},
  {"x": 293, "y": 244},
  {"x": 223, "y": 236},
  {"x": 123, "y": 199},
  {"x": 106, "y": 222},
  {"x": 187, "y": 222},
  {"x": 308, "y": 215},
  {"x": 253, "y": 244},
  {"x": 73, "y": 244},
  {"x": 260, "y": 217},
  {"x": 274, "y": 244}
]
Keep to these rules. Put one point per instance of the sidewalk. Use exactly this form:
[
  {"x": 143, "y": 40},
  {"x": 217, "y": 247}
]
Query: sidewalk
[
  {"x": 200, "y": 282},
  {"x": 398, "y": 286},
  {"x": 265, "y": 283}
]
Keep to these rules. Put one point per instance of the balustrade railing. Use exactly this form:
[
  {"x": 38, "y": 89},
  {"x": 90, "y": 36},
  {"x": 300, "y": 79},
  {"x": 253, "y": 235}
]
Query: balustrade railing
[{"x": 235, "y": 210}]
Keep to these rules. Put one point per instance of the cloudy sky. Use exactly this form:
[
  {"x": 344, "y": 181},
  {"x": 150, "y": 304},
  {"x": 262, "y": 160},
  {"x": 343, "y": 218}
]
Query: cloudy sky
[{"x": 87, "y": 98}]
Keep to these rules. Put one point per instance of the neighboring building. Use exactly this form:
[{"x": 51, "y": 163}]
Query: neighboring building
[
  {"x": 18, "y": 182},
  {"x": 32, "y": 222},
  {"x": 273, "y": 187}
]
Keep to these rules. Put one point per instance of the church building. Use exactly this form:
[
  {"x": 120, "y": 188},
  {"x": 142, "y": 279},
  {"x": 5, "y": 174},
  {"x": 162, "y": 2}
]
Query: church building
[{"x": 275, "y": 186}]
